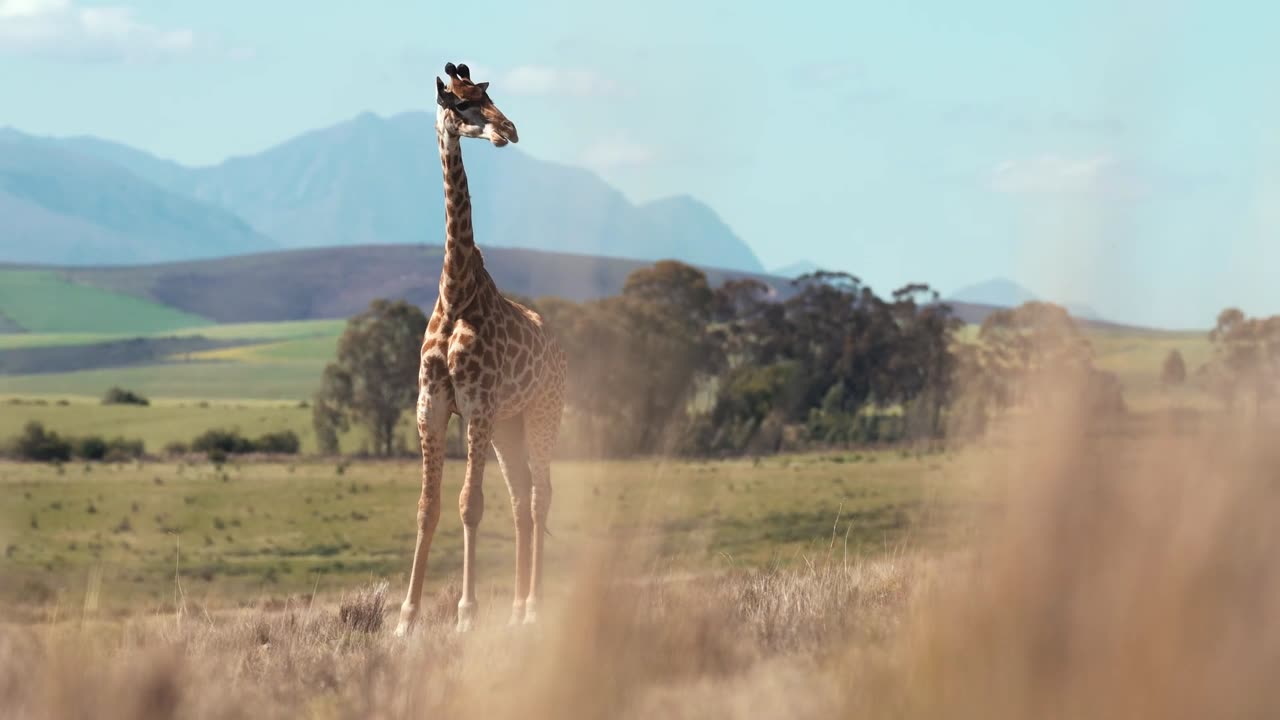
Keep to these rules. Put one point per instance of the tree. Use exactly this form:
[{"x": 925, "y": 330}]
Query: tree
[
  {"x": 1031, "y": 355},
  {"x": 327, "y": 414},
  {"x": 1030, "y": 350},
  {"x": 1173, "y": 372},
  {"x": 40, "y": 445},
  {"x": 120, "y": 396},
  {"x": 1246, "y": 357},
  {"x": 829, "y": 352},
  {"x": 374, "y": 378}
]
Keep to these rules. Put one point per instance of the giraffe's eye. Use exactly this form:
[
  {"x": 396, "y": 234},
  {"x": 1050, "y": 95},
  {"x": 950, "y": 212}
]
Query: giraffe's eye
[{"x": 463, "y": 105}]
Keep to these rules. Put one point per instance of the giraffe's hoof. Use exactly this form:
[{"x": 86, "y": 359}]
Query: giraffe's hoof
[
  {"x": 466, "y": 611},
  {"x": 531, "y": 613},
  {"x": 517, "y": 614},
  {"x": 408, "y": 613}
]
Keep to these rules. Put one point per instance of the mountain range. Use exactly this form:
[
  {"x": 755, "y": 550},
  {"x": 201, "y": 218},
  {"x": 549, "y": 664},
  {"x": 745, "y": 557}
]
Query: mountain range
[
  {"x": 371, "y": 180},
  {"x": 1003, "y": 292}
]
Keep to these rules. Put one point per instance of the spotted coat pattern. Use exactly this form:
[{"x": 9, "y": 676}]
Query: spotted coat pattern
[{"x": 491, "y": 361}]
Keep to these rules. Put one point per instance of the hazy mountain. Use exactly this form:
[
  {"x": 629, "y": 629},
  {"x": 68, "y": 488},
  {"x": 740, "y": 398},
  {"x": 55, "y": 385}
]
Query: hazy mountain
[
  {"x": 63, "y": 206},
  {"x": 796, "y": 269},
  {"x": 1080, "y": 310},
  {"x": 375, "y": 180},
  {"x": 1002, "y": 292},
  {"x": 338, "y": 282}
]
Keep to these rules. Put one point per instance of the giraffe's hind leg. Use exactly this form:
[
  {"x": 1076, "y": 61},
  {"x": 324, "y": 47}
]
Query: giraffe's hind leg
[
  {"x": 471, "y": 509},
  {"x": 513, "y": 458},
  {"x": 542, "y": 427}
]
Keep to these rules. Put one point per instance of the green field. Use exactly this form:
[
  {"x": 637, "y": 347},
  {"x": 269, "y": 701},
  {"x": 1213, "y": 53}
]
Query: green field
[
  {"x": 287, "y": 359},
  {"x": 1136, "y": 357},
  {"x": 285, "y": 364},
  {"x": 43, "y": 302},
  {"x": 256, "y": 529},
  {"x": 259, "y": 388}
]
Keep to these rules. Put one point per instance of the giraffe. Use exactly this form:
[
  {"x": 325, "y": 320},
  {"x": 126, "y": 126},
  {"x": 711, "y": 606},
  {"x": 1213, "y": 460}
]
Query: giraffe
[{"x": 492, "y": 362}]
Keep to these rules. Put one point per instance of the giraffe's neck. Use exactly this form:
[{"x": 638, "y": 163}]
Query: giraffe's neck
[{"x": 460, "y": 276}]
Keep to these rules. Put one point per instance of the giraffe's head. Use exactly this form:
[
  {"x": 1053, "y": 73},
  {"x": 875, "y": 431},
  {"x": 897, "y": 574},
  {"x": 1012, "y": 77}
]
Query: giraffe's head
[{"x": 464, "y": 109}]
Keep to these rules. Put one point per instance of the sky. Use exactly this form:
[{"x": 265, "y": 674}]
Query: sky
[{"x": 1124, "y": 154}]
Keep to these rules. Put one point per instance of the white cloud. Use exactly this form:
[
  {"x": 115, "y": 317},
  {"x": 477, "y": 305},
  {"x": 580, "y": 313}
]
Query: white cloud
[
  {"x": 59, "y": 29},
  {"x": 544, "y": 80},
  {"x": 1058, "y": 174},
  {"x": 617, "y": 152},
  {"x": 29, "y": 8}
]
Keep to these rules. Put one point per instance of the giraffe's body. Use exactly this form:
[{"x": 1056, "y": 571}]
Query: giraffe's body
[{"x": 490, "y": 361}]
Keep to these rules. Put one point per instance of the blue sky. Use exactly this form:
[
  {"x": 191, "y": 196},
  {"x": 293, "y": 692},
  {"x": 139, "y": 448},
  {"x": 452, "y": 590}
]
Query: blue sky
[{"x": 1122, "y": 154}]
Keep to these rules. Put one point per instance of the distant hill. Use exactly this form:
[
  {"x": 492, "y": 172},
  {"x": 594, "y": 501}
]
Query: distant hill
[
  {"x": 321, "y": 283},
  {"x": 999, "y": 292},
  {"x": 375, "y": 181},
  {"x": 796, "y": 269},
  {"x": 63, "y": 206},
  {"x": 44, "y": 302},
  {"x": 308, "y": 284},
  {"x": 1005, "y": 293}
]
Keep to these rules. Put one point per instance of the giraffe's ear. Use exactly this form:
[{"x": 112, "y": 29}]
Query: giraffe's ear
[{"x": 483, "y": 85}]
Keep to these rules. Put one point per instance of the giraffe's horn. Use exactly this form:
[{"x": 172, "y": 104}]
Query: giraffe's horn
[
  {"x": 450, "y": 69},
  {"x": 464, "y": 71}
]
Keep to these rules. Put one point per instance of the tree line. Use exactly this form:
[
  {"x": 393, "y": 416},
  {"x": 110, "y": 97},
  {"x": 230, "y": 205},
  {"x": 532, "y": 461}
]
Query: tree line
[{"x": 672, "y": 365}]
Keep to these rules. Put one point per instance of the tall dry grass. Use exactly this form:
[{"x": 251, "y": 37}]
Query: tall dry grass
[{"x": 1120, "y": 576}]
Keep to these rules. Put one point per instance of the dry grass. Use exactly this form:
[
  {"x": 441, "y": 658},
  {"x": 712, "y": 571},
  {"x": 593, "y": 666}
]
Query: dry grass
[
  {"x": 1119, "y": 577},
  {"x": 616, "y": 647}
]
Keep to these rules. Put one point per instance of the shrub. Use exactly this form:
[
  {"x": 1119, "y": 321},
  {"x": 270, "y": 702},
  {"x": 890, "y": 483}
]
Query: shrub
[
  {"x": 120, "y": 396},
  {"x": 284, "y": 442},
  {"x": 222, "y": 443},
  {"x": 39, "y": 445},
  {"x": 91, "y": 447},
  {"x": 363, "y": 611},
  {"x": 176, "y": 448},
  {"x": 120, "y": 449},
  {"x": 229, "y": 442}
]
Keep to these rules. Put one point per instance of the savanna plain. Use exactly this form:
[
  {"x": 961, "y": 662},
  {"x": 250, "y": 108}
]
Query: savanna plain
[
  {"x": 1061, "y": 564},
  {"x": 1058, "y": 568}
]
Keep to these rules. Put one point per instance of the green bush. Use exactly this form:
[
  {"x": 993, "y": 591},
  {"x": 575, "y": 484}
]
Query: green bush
[
  {"x": 120, "y": 396},
  {"x": 222, "y": 443},
  {"x": 39, "y": 445},
  {"x": 229, "y": 442},
  {"x": 90, "y": 447},
  {"x": 281, "y": 443},
  {"x": 117, "y": 449},
  {"x": 120, "y": 449}
]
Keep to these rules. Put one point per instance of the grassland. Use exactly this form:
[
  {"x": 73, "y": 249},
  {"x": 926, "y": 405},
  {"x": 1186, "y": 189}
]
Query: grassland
[
  {"x": 243, "y": 531},
  {"x": 259, "y": 388},
  {"x": 43, "y": 302},
  {"x": 1109, "y": 580},
  {"x": 284, "y": 364}
]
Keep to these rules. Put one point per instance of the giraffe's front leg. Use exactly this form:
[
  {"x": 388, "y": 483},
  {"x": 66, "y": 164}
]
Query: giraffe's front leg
[
  {"x": 433, "y": 420},
  {"x": 471, "y": 508}
]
